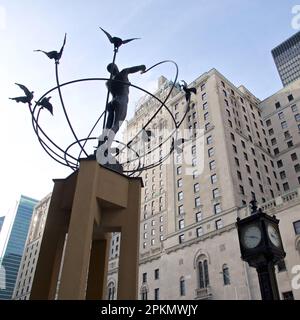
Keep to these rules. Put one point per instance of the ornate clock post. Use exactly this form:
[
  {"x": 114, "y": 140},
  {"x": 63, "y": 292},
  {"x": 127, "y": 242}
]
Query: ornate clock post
[{"x": 261, "y": 246}]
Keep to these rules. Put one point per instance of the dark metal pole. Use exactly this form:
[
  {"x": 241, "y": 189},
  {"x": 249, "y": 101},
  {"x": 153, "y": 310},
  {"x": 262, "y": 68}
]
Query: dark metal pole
[{"x": 267, "y": 282}]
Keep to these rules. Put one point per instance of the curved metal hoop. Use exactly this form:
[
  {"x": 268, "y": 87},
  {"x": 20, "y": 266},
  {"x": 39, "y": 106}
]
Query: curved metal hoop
[{"x": 52, "y": 148}]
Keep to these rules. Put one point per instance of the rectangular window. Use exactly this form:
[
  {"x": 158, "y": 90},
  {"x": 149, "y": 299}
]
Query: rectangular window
[
  {"x": 199, "y": 232},
  {"x": 213, "y": 178},
  {"x": 216, "y": 193},
  {"x": 282, "y": 175},
  {"x": 290, "y": 97},
  {"x": 196, "y": 187},
  {"x": 286, "y": 186},
  {"x": 242, "y": 190},
  {"x": 156, "y": 294},
  {"x": 279, "y": 163},
  {"x": 181, "y": 224},
  {"x": 297, "y": 117},
  {"x": 219, "y": 224},
  {"x": 294, "y": 156},
  {"x": 182, "y": 287},
  {"x": 209, "y": 140},
  {"x": 207, "y": 126},
  {"x": 179, "y": 170},
  {"x": 198, "y": 216},
  {"x": 277, "y": 105},
  {"x": 197, "y": 202},
  {"x": 144, "y": 277},
  {"x": 217, "y": 208},
  {"x": 271, "y": 132},
  {"x": 194, "y": 162},
  {"x": 181, "y": 238},
  {"x": 284, "y": 123},
  {"x": 239, "y": 175},
  {"x": 212, "y": 165},
  {"x": 193, "y": 150},
  {"x": 205, "y": 106},
  {"x": 156, "y": 274},
  {"x": 281, "y": 115},
  {"x": 179, "y": 183},
  {"x": 180, "y": 196},
  {"x": 294, "y": 108},
  {"x": 204, "y": 96},
  {"x": 210, "y": 152},
  {"x": 273, "y": 141},
  {"x": 180, "y": 210},
  {"x": 297, "y": 226}
]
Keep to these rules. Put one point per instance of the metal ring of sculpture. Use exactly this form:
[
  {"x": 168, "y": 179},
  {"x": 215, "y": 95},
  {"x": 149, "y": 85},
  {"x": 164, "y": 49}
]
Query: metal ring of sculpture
[{"x": 64, "y": 157}]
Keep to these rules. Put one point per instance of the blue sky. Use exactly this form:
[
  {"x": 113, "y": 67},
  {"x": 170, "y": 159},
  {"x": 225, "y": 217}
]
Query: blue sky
[{"x": 234, "y": 36}]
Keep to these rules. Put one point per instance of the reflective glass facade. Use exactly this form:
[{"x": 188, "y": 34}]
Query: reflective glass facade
[
  {"x": 10, "y": 261},
  {"x": 1, "y": 222},
  {"x": 287, "y": 59}
]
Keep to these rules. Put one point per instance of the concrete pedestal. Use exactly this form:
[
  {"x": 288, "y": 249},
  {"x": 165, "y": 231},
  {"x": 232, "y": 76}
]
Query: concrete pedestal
[{"x": 88, "y": 206}]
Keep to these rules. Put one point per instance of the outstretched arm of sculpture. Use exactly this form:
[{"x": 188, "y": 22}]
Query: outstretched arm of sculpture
[{"x": 141, "y": 68}]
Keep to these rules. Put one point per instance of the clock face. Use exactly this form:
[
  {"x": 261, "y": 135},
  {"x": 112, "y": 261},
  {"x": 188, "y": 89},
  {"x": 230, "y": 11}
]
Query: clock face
[
  {"x": 251, "y": 236},
  {"x": 273, "y": 235}
]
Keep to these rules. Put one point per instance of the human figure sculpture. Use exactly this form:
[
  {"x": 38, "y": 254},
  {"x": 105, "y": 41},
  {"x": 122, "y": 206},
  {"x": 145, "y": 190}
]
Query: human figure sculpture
[{"x": 118, "y": 86}]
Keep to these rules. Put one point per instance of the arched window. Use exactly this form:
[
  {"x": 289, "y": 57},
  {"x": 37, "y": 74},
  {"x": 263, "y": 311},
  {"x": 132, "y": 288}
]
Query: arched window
[
  {"x": 226, "y": 275},
  {"x": 203, "y": 274},
  {"x": 182, "y": 286},
  {"x": 111, "y": 291}
]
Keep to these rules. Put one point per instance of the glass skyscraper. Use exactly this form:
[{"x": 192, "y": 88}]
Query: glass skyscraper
[
  {"x": 287, "y": 59},
  {"x": 11, "y": 258},
  {"x": 1, "y": 222}
]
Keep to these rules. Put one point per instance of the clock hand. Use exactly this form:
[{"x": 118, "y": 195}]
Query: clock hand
[{"x": 252, "y": 237}]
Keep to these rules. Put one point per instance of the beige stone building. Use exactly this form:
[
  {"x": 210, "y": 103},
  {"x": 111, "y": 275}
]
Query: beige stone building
[
  {"x": 235, "y": 146},
  {"x": 188, "y": 242}
]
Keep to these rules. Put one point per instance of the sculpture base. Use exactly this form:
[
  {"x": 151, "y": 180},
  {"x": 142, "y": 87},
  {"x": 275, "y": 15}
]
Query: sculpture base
[
  {"x": 115, "y": 166},
  {"x": 87, "y": 206}
]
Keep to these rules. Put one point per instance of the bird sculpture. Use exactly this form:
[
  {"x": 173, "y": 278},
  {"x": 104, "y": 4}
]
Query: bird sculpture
[
  {"x": 188, "y": 91},
  {"x": 55, "y": 54},
  {"x": 44, "y": 103},
  {"x": 117, "y": 42},
  {"x": 24, "y": 99}
]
